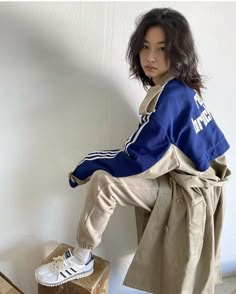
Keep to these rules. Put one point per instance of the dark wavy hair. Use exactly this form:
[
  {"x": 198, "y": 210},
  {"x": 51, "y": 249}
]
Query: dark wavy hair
[{"x": 179, "y": 47}]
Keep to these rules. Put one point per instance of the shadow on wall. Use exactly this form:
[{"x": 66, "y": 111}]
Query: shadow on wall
[{"x": 55, "y": 113}]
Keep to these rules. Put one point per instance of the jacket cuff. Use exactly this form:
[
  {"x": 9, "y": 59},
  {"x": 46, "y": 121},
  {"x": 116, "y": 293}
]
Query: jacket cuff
[{"x": 73, "y": 181}]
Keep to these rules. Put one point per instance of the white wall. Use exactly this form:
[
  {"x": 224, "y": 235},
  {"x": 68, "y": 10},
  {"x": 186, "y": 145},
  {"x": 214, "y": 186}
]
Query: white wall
[{"x": 65, "y": 91}]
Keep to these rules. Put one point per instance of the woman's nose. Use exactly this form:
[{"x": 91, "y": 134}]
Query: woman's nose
[{"x": 151, "y": 57}]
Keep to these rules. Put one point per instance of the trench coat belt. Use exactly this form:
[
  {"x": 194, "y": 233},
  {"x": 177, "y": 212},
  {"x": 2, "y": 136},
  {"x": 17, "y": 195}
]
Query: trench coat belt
[{"x": 193, "y": 181}]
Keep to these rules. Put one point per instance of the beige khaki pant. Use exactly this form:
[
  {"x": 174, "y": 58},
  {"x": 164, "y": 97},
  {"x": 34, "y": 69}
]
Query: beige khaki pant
[{"x": 104, "y": 193}]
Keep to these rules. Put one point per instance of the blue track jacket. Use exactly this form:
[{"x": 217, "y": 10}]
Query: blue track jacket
[{"x": 180, "y": 118}]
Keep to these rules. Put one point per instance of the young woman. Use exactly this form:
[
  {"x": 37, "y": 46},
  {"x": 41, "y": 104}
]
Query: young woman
[{"x": 177, "y": 137}]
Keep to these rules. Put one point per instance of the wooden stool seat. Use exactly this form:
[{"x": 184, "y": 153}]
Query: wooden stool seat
[{"x": 96, "y": 283}]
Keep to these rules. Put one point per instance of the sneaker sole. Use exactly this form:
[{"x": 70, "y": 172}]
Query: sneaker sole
[{"x": 83, "y": 275}]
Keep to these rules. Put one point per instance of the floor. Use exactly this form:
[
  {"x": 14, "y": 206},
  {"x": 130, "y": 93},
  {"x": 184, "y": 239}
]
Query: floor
[{"x": 228, "y": 287}]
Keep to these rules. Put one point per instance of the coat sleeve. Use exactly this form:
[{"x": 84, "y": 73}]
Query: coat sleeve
[{"x": 141, "y": 151}]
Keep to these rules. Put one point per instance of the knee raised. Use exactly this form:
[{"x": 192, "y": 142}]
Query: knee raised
[{"x": 100, "y": 176}]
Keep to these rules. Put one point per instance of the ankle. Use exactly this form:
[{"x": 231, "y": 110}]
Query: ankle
[{"x": 82, "y": 255}]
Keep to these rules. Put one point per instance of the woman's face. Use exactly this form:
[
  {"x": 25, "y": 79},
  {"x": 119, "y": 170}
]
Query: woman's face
[{"x": 152, "y": 55}]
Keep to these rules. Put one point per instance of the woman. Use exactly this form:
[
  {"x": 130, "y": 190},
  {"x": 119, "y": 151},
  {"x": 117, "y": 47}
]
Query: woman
[{"x": 177, "y": 142}]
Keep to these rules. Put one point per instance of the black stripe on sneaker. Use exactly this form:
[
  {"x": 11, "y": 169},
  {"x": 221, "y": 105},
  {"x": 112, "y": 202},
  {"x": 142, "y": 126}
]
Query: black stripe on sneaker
[
  {"x": 91, "y": 258},
  {"x": 68, "y": 272},
  {"x": 62, "y": 274},
  {"x": 73, "y": 270}
]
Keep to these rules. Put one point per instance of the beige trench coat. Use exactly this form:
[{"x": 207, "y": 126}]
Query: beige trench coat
[
  {"x": 179, "y": 248},
  {"x": 179, "y": 241}
]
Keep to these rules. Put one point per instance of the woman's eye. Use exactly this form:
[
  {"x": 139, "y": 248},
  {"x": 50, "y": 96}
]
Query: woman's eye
[
  {"x": 162, "y": 49},
  {"x": 145, "y": 46}
]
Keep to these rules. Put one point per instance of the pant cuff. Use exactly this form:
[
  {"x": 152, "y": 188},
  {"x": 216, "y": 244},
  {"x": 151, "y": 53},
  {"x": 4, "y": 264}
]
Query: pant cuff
[{"x": 85, "y": 246}]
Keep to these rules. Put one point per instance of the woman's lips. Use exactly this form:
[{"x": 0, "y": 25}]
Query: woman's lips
[{"x": 150, "y": 68}]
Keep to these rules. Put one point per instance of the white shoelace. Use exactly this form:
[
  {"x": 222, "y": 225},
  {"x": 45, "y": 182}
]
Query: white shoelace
[{"x": 58, "y": 263}]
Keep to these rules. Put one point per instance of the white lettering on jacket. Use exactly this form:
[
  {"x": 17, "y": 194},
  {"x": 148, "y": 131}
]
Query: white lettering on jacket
[{"x": 204, "y": 118}]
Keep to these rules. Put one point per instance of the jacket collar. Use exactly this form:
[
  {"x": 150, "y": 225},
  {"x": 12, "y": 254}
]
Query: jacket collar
[
  {"x": 164, "y": 79},
  {"x": 149, "y": 103}
]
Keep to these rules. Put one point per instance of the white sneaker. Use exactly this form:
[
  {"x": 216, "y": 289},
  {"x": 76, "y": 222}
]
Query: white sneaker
[{"x": 63, "y": 269}]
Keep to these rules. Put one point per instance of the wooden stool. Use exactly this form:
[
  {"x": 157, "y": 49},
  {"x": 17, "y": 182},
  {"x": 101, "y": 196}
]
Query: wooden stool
[{"x": 96, "y": 283}]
